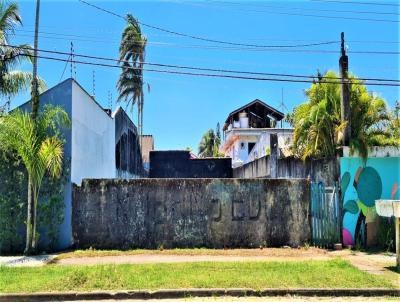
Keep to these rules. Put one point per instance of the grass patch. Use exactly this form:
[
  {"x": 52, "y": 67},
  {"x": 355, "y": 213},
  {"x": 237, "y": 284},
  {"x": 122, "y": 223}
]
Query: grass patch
[{"x": 334, "y": 273}]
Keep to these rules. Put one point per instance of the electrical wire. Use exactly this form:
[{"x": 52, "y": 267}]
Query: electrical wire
[
  {"x": 100, "y": 30},
  {"x": 229, "y": 48},
  {"x": 303, "y": 8},
  {"x": 216, "y": 75},
  {"x": 298, "y": 14},
  {"x": 196, "y": 68},
  {"x": 99, "y": 39},
  {"x": 320, "y": 80},
  {"x": 207, "y": 39},
  {"x": 357, "y": 2}
]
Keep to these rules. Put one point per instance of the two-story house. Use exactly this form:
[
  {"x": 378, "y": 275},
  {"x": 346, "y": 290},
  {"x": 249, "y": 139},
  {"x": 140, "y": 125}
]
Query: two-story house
[{"x": 247, "y": 132}]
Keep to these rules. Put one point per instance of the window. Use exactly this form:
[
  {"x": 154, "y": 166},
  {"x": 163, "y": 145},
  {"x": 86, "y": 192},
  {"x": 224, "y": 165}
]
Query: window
[{"x": 251, "y": 146}]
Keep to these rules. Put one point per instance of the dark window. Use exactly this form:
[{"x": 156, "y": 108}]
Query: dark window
[
  {"x": 251, "y": 146},
  {"x": 118, "y": 155}
]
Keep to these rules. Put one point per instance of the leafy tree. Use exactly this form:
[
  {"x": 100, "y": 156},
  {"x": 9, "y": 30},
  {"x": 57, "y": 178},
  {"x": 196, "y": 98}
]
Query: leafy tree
[
  {"x": 209, "y": 144},
  {"x": 318, "y": 129},
  {"x": 12, "y": 81},
  {"x": 40, "y": 149},
  {"x": 218, "y": 135},
  {"x": 132, "y": 53}
]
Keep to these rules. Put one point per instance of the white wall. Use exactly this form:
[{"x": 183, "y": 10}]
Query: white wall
[{"x": 93, "y": 139}]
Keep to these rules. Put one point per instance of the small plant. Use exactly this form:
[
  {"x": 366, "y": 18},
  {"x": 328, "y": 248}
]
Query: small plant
[{"x": 307, "y": 246}]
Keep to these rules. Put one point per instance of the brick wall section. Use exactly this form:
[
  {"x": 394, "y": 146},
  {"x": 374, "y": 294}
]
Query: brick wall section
[{"x": 148, "y": 213}]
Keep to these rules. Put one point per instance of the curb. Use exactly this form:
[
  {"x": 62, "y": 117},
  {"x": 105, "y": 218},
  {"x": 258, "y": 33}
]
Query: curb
[{"x": 184, "y": 293}]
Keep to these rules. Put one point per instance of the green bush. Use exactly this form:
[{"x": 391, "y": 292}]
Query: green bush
[{"x": 13, "y": 200}]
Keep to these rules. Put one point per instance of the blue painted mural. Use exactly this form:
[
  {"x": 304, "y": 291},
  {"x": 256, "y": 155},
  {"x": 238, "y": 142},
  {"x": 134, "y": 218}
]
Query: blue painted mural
[{"x": 362, "y": 182}]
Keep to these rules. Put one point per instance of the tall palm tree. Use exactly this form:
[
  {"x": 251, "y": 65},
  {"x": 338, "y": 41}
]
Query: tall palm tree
[
  {"x": 12, "y": 81},
  {"x": 132, "y": 53},
  {"x": 318, "y": 129},
  {"x": 38, "y": 144}
]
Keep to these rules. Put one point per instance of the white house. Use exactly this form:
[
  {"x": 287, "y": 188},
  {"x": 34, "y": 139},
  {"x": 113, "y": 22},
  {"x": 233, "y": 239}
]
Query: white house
[{"x": 247, "y": 132}]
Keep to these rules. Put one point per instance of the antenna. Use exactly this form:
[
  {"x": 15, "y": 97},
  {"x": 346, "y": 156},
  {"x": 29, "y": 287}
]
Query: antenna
[
  {"x": 72, "y": 51},
  {"x": 110, "y": 102},
  {"x": 282, "y": 106},
  {"x": 73, "y": 64},
  {"x": 94, "y": 83}
]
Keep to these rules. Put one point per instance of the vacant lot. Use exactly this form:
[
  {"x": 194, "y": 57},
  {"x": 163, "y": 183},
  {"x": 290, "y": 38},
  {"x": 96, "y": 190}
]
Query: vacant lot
[{"x": 334, "y": 273}]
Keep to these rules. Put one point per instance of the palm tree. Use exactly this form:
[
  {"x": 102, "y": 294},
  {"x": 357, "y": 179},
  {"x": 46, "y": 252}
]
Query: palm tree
[
  {"x": 38, "y": 145},
  {"x": 132, "y": 54},
  {"x": 12, "y": 81},
  {"x": 318, "y": 129},
  {"x": 209, "y": 144}
]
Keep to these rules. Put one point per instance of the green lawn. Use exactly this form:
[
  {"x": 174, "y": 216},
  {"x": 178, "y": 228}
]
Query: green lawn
[{"x": 257, "y": 275}]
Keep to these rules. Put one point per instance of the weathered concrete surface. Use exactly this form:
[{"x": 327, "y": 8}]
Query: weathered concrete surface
[
  {"x": 150, "y": 213},
  {"x": 325, "y": 170}
]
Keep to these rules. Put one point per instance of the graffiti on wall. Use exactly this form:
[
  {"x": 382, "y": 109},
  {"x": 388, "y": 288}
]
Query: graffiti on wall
[{"x": 362, "y": 183}]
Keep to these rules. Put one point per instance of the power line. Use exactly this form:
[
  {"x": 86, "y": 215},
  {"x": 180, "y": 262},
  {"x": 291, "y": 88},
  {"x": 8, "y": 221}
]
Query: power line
[
  {"x": 232, "y": 48},
  {"x": 300, "y": 8},
  {"x": 214, "y": 75},
  {"x": 217, "y": 75},
  {"x": 302, "y": 14},
  {"x": 207, "y": 39},
  {"x": 199, "y": 68},
  {"x": 169, "y": 35},
  {"x": 99, "y": 39},
  {"x": 65, "y": 67},
  {"x": 357, "y": 2}
]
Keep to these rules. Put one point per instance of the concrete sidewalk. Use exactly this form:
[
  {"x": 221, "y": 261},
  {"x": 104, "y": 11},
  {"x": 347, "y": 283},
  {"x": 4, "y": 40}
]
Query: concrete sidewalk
[{"x": 38, "y": 260}]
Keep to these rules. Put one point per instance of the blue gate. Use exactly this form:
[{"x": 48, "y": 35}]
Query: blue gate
[{"x": 325, "y": 215}]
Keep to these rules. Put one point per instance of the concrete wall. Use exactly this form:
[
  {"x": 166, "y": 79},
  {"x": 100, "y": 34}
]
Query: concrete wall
[
  {"x": 147, "y": 213},
  {"x": 362, "y": 182},
  {"x": 128, "y": 155},
  {"x": 326, "y": 170},
  {"x": 177, "y": 164},
  {"x": 93, "y": 138}
]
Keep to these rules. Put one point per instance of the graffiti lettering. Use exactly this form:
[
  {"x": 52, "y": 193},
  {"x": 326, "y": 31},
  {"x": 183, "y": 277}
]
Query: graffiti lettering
[
  {"x": 237, "y": 215},
  {"x": 217, "y": 204},
  {"x": 158, "y": 212},
  {"x": 258, "y": 211}
]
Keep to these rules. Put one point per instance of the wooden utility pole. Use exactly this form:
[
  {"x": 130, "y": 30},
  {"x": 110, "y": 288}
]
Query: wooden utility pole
[
  {"x": 345, "y": 92},
  {"x": 35, "y": 92},
  {"x": 30, "y": 244}
]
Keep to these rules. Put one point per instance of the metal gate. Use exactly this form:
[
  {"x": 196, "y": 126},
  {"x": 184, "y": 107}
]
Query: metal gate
[{"x": 325, "y": 215}]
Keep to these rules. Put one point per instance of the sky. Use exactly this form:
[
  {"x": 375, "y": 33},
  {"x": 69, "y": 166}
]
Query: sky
[{"x": 179, "y": 109}]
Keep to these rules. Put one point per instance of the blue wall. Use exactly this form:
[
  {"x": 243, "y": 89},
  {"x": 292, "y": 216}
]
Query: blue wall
[
  {"x": 362, "y": 183},
  {"x": 61, "y": 95}
]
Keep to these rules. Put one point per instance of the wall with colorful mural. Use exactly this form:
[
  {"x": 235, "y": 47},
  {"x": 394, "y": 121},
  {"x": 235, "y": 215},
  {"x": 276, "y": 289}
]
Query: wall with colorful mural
[{"x": 362, "y": 182}]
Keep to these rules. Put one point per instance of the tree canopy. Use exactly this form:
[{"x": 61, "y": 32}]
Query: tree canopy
[
  {"x": 318, "y": 129},
  {"x": 12, "y": 81}
]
